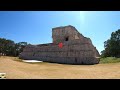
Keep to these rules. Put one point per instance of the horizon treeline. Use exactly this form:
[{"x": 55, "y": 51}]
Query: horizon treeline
[{"x": 10, "y": 48}]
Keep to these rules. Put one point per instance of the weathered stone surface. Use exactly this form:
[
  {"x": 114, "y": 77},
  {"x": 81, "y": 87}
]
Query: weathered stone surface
[{"x": 76, "y": 49}]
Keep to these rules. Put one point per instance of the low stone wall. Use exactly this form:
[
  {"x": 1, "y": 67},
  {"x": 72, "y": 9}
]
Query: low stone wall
[{"x": 71, "y": 54}]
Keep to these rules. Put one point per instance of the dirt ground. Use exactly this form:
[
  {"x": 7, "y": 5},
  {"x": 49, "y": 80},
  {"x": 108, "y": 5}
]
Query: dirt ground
[{"x": 21, "y": 70}]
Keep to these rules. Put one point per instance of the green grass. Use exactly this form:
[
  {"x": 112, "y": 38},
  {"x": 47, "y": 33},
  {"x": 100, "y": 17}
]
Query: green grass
[{"x": 110, "y": 60}]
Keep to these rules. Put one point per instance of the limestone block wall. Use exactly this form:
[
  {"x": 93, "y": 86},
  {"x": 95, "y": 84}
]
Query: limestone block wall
[
  {"x": 70, "y": 54},
  {"x": 60, "y": 33},
  {"x": 76, "y": 50}
]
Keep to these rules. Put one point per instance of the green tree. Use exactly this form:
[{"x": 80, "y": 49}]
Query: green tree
[
  {"x": 10, "y": 48},
  {"x": 112, "y": 45},
  {"x": 6, "y": 46}
]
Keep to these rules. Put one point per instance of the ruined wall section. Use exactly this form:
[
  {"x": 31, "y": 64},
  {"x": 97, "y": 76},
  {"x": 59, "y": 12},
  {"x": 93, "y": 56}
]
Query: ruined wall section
[
  {"x": 76, "y": 50},
  {"x": 71, "y": 54},
  {"x": 60, "y": 34}
]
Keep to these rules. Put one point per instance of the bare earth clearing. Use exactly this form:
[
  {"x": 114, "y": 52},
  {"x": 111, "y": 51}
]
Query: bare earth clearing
[{"x": 16, "y": 69}]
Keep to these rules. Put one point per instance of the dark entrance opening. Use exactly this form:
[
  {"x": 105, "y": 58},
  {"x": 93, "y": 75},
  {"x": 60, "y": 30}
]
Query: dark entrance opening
[{"x": 66, "y": 39}]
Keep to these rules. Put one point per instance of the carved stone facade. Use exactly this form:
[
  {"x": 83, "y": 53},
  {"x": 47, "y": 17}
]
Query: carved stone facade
[{"x": 76, "y": 49}]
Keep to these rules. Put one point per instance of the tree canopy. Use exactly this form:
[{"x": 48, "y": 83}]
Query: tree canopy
[
  {"x": 112, "y": 45},
  {"x": 10, "y": 48}
]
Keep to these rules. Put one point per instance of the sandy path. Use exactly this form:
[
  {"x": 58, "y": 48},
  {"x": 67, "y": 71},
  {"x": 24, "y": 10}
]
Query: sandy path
[{"x": 21, "y": 70}]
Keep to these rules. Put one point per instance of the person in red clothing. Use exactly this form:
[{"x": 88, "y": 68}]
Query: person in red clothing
[{"x": 60, "y": 45}]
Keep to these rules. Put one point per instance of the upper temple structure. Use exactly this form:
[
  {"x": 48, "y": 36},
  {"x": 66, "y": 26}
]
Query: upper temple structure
[{"x": 76, "y": 48}]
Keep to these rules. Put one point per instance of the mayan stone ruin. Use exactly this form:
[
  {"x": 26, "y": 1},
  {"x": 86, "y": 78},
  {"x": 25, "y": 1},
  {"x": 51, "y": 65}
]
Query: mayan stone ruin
[{"x": 76, "y": 49}]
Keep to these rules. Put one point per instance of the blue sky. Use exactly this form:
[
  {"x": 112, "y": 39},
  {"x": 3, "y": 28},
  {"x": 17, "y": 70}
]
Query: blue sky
[{"x": 35, "y": 27}]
